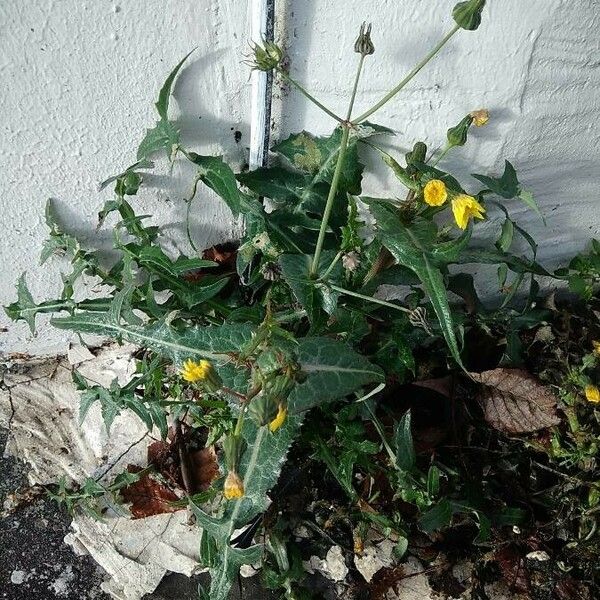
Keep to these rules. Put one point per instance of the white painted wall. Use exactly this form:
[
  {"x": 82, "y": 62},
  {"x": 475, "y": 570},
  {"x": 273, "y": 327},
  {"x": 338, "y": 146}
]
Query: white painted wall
[{"x": 80, "y": 77}]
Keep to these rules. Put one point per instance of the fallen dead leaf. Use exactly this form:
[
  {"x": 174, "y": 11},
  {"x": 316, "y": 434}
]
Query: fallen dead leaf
[
  {"x": 206, "y": 468},
  {"x": 148, "y": 496},
  {"x": 513, "y": 401},
  {"x": 514, "y": 571}
]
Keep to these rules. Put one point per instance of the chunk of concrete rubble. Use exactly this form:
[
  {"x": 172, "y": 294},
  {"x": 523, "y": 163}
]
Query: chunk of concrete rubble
[
  {"x": 414, "y": 585},
  {"x": 40, "y": 407},
  {"x": 332, "y": 567},
  {"x": 374, "y": 558}
]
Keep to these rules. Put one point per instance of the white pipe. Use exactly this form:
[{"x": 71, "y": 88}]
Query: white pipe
[{"x": 259, "y": 101}]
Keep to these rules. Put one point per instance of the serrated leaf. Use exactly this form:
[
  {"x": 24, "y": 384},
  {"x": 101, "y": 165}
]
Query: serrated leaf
[
  {"x": 310, "y": 293},
  {"x": 24, "y": 308},
  {"x": 317, "y": 156},
  {"x": 218, "y": 176},
  {"x": 334, "y": 370},
  {"x": 408, "y": 247},
  {"x": 508, "y": 186},
  {"x": 164, "y": 136},
  {"x": 211, "y": 342}
]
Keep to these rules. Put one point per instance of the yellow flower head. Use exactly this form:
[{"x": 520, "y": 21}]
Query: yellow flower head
[
  {"x": 596, "y": 347},
  {"x": 435, "y": 192},
  {"x": 196, "y": 371},
  {"x": 279, "y": 420},
  {"x": 464, "y": 207},
  {"x": 592, "y": 394},
  {"x": 233, "y": 487},
  {"x": 480, "y": 117}
]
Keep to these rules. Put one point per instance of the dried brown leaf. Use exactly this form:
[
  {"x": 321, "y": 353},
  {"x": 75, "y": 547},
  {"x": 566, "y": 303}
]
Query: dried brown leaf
[
  {"x": 513, "y": 568},
  {"x": 206, "y": 468},
  {"x": 513, "y": 401},
  {"x": 148, "y": 496}
]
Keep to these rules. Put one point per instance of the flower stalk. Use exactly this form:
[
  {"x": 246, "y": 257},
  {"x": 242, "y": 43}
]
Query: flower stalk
[{"x": 408, "y": 78}]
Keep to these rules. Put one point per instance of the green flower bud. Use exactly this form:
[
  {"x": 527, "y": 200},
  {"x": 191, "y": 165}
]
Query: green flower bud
[
  {"x": 279, "y": 387},
  {"x": 418, "y": 154},
  {"x": 457, "y": 136},
  {"x": 468, "y": 14},
  {"x": 266, "y": 57},
  {"x": 128, "y": 184},
  {"x": 263, "y": 409},
  {"x": 363, "y": 44},
  {"x": 233, "y": 447}
]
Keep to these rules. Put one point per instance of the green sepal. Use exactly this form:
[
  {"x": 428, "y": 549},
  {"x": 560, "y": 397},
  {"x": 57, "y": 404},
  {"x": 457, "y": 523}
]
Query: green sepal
[{"x": 468, "y": 14}]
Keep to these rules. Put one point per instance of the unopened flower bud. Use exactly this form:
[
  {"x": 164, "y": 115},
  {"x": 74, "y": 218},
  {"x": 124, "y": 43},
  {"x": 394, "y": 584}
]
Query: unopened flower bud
[
  {"x": 363, "y": 44},
  {"x": 233, "y": 447},
  {"x": 266, "y": 57},
  {"x": 480, "y": 117},
  {"x": 457, "y": 136},
  {"x": 592, "y": 394},
  {"x": 351, "y": 261},
  {"x": 468, "y": 14},
  {"x": 279, "y": 419},
  {"x": 233, "y": 487},
  {"x": 418, "y": 154},
  {"x": 263, "y": 409}
]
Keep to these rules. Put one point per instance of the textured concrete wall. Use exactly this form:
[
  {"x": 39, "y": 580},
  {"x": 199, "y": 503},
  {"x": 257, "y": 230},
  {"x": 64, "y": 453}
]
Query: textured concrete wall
[
  {"x": 79, "y": 81},
  {"x": 80, "y": 77}
]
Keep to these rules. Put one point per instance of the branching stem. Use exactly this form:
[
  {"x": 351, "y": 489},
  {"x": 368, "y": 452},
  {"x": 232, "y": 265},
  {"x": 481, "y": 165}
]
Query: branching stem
[
  {"x": 369, "y": 299},
  {"x": 285, "y": 76},
  {"x": 408, "y": 78}
]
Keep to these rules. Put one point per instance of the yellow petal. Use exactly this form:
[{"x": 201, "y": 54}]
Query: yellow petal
[
  {"x": 435, "y": 192},
  {"x": 592, "y": 394},
  {"x": 480, "y": 117},
  {"x": 279, "y": 420},
  {"x": 596, "y": 346},
  {"x": 464, "y": 207},
  {"x": 195, "y": 371}
]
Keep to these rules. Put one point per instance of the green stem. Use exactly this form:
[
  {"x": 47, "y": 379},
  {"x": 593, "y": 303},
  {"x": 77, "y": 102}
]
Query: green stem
[
  {"x": 330, "y": 199},
  {"x": 369, "y": 299},
  {"x": 410, "y": 76},
  {"x": 287, "y": 78},
  {"x": 442, "y": 155},
  {"x": 355, "y": 88},
  {"x": 379, "y": 427},
  {"x": 330, "y": 267}
]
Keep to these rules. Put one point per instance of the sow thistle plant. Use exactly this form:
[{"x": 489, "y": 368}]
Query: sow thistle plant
[{"x": 245, "y": 346}]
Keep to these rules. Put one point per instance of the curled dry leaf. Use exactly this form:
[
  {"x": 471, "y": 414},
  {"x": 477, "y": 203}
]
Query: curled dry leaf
[
  {"x": 148, "y": 496},
  {"x": 513, "y": 401}
]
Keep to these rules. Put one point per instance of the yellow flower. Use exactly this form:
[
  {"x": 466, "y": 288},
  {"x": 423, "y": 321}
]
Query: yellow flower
[
  {"x": 464, "y": 207},
  {"x": 279, "y": 420},
  {"x": 592, "y": 394},
  {"x": 480, "y": 117},
  {"x": 233, "y": 487},
  {"x": 596, "y": 347},
  {"x": 196, "y": 371},
  {"x": 435, "y": 192}
]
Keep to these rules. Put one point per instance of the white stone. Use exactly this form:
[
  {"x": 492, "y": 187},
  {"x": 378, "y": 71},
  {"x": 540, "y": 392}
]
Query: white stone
[
  {"x": 333, "y": 566},
  {"x": 18, "y": 577}
]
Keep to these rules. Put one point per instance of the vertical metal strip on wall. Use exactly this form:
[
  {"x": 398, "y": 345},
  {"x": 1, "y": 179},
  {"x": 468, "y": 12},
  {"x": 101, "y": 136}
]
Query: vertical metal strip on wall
[{"x": 261, "y": 28}]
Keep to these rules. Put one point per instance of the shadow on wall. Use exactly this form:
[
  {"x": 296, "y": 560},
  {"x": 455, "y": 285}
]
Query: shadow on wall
[{"x": 202, "y": 131}]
